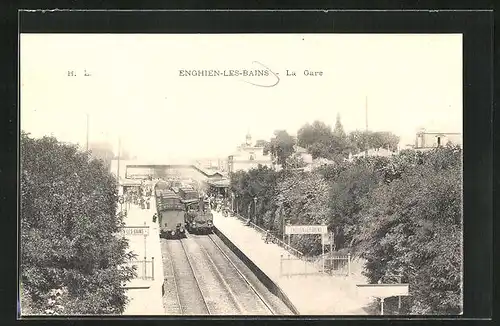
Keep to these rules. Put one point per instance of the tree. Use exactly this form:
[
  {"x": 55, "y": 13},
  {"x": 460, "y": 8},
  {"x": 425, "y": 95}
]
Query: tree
[
  {"x": 318, "y": 132},
  {"x": 69, "y": 228},
  {"x": 338, "y": 131},
  {"x": 348, "y": 189},
  {"x": 295, "y": 161},
  {"x": 413, "y": 226},
  {"x": 320, "y": 141},
  {"x": 282, "y": 146},
  {"x": 303, "y": 199},
  {"x": 257, "y": 183},
  {"x": 364, "y": 140},
  {"x": 261, "y": 143}
]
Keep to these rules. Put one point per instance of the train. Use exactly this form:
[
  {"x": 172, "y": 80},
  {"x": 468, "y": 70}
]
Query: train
[
  {"x": 180, "y": 208},
  {"x": 198, "y": 217},
  {"x": 170, "y": 211}
]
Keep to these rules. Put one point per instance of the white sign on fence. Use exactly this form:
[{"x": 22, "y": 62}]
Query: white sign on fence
[
  {"x": 305, "y": 229},
  {"x": 325, "y": 239},
  {"x": 135, "y": 230},
  {"x": 382, "y": 290}
]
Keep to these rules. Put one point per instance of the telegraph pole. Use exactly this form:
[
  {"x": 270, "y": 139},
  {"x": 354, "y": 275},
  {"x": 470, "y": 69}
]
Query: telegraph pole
[
  {"x": 87, "y": 131},
  {"x": 366, "y": 125},
  {"x": 118, "y": 172},
  {"x": 119, "y": 150}
]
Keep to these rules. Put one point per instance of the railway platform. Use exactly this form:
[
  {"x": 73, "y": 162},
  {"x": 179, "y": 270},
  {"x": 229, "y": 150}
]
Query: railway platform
[
  {"x": 313, "y": 293},
  {"x": 145, "y": 292}
]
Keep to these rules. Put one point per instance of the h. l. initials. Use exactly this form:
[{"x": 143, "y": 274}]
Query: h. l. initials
[{"x": 71, "y": 73}]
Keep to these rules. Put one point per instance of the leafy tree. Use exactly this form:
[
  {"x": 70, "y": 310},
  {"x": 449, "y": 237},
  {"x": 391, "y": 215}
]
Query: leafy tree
[
  {"x": 338, "y": 131},
  {"x": 363, "y": 140},
  {"x": 321, "y": 141},
  {"x": 282, "y": 146},
  {"x": 257, "y": 183},
  {"x": 261, "y": 143},
  {"x": 412, "y": 226},
  {"x": 349, "y": 188},
  {"x": 295, "y": 161},
  {"x": 302, "y": 199},
  {"x": 69, "y": 231},
  {"x": 317, "y": 132}
]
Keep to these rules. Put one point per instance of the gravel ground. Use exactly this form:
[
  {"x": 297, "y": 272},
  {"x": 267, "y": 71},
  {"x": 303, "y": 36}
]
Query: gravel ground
[
  {"x": 219, "y": 299},
  {"x": 190, "y": 296},
  {"x": 276, "y": 304}
]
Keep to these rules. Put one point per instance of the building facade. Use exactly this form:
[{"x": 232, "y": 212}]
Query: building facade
[
  {"x": 248, "y": 156},
  {"x": 431, "y": 139}
]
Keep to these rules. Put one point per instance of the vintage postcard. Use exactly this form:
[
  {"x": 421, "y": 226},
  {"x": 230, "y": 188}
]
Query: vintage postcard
[{"x": 241, "y": 174}]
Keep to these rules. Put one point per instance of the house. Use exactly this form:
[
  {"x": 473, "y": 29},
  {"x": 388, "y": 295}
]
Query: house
[
  {"x": 248, "y": 156},
  {"x": 425, "y": 140}
]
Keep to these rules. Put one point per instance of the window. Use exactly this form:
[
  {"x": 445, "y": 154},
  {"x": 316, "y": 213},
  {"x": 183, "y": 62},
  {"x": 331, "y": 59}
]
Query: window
[
  {"x": 252, "y": 157},
  {"x": 439, "y": 141}
]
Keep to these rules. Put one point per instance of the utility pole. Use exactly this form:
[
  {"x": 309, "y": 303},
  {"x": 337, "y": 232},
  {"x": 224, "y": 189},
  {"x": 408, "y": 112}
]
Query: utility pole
[
  {"x": 366, "y": 125},
  {"x": 87, "y": 131},
  {"x": 119, "y": 149},
  {"x": 118, "y": 171}
]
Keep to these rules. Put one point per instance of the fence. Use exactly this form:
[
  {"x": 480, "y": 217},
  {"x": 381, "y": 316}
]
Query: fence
[
  {"x": 337, "y": 264},
  {"x": 145, "y": 269},
  {"x": 329, "y": 264}
]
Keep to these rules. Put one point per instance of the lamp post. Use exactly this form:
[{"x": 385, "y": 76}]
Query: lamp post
[
  {"x": 283, "y": 222},
  {"x": 255, "y": 209},
  {"x": 232, "y": 202}
]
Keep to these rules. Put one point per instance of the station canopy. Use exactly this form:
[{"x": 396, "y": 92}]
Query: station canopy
[{"x": 222, "y": 183}]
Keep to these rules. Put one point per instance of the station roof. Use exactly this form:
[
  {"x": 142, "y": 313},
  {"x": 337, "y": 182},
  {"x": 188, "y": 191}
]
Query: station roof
[{"x": 223, "y": 183}]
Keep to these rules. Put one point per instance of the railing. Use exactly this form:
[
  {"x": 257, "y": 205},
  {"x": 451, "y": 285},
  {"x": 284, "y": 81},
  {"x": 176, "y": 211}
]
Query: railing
[
  {"x": 335, "y": 263},
  {"x": 297, "y": 266},
  {"x": 145, "y": 268},
  {"x": 273, "y": 238},
  {"x": 332, "y": 264}
]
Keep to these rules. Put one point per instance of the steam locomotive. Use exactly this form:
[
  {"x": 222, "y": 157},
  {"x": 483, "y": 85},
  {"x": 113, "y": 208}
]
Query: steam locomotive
[
  {"x": 197, "y": 217},
  {"x": 170, "y": 211}
]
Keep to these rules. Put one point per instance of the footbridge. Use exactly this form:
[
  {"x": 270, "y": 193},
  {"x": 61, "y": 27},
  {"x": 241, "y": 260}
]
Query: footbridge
[{"x": 139, "y": 170}]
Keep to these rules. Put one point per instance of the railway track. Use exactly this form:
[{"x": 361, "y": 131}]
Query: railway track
[
  {"x": 171, "y": 300},
  {"x": 201, "y": 278},
  {"x": 248, "y": 298},
  {"x": 191, "y": 300}
]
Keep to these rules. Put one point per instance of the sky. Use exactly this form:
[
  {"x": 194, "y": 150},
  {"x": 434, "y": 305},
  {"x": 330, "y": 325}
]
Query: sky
[{"x": 135, "y": 91}]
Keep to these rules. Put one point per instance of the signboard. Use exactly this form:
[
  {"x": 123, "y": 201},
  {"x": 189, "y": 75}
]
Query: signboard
[
  {"x": 135, "y": 230},
  {"x": 305, "y": 229},
  {"x": 382, "y": 290}
]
